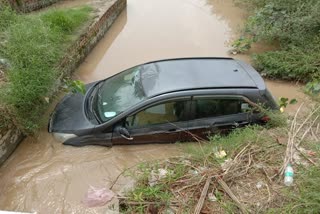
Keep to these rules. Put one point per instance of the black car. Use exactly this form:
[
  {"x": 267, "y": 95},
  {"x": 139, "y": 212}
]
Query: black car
[{"x": 161, "y": 102}]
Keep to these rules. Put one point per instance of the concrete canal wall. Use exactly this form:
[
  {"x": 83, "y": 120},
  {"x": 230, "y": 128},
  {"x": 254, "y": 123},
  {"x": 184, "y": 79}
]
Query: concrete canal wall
[{"x": 93, "y": 34}]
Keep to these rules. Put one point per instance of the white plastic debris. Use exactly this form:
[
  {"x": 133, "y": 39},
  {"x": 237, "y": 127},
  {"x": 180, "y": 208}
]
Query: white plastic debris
[
  {"x": 47, "y": 99},
  {"x": 259, "y": 184},
  {"x": 212, "y": 197},
  {"x": 169, "y": 211},
  {"x": 157, "y": 175},
  {"x": 4, "y": 62},
  {"x": 282, "y": 109},
  {"x": 220, "y": 154},
  {"x": 288, "y": 175},
  {"x": 187, "y": 162},
  {"x": 202, "y": 169},
  {"x": 193, "y": 172},
  {"x": 97, "y": 196},
  {"x": 258, "y": 166}
]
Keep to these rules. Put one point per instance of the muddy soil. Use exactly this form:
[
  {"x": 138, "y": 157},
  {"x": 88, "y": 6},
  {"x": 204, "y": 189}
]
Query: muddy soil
[{"x": 47, "y": 177}]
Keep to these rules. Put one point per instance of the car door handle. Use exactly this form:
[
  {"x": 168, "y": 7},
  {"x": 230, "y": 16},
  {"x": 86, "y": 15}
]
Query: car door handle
[
  {"x": 231, "y": 125},
  {"x": 171, "y": 130},
  {"x": 124, "y": 133},
  {"x": 237, "y": 124},
  {"x": 125, "y": 137},
  {"x": 217, "y": 125}
]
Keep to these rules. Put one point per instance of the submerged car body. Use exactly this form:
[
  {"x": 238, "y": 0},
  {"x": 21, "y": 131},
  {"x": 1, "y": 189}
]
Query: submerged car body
[{"x": 163, "y": 101}]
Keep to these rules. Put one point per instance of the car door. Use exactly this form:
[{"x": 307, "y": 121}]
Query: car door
[
  {"x": 158, "y": 123},
  {"x": 216, "y": 115}
]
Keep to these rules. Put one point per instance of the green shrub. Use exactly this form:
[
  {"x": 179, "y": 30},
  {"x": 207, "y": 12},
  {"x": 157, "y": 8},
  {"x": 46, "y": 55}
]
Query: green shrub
[
  {"x": 292, "y": 64},
  {"x": 34, "y": 45},
  {"x": 295, "y": 25},
  {"x": 313, "y": 89},
  {"x": 66, "y": 21}
]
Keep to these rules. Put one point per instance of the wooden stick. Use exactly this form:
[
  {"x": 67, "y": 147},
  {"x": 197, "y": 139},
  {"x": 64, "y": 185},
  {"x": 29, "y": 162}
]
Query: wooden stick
[
  {"x": 308, "y": 129},
  {"x": 235, "y": 159},
  {"x": 294, "y": 131},
  {"x": 266, "y": 174},
  {"x": 232, "y": 196},
  {"x": 306, "y": 120},
  {"x": 289, "y": 150},
  {"x": 202, "y": 196},
  {"x": 311, "y": 161},
  {"x": 185, "y": 187},
  {"x": 314, "y": 135}
]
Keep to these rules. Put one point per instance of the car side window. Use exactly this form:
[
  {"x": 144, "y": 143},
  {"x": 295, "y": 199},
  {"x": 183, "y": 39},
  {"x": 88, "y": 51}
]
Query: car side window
[
  {"x": 172, "y": 111},
  {"x": 216, "y": 106}
]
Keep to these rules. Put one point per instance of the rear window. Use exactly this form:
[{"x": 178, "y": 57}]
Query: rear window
[{"x": 215, "y": 107}]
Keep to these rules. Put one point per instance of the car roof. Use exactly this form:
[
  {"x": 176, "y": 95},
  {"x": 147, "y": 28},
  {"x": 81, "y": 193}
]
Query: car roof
[{"x": 164, "y": 76}]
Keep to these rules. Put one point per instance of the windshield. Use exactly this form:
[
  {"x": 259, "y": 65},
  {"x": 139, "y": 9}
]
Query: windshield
[{"x": 118, "y": 93}]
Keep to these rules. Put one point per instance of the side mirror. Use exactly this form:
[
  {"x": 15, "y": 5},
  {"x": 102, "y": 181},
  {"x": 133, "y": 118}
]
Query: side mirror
[{"x": 124, "y": 133}]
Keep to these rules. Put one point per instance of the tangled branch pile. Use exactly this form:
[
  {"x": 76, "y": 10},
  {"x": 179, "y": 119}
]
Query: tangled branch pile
[{"x": 248, "y": 179}]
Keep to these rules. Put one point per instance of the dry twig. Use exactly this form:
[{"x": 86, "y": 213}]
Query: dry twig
[
  {"x": 311, "y": 161},
  {"x": 230, "y": 193},
  {"x": 307, "y": 130},
  {"x": 202, "y": 196}
]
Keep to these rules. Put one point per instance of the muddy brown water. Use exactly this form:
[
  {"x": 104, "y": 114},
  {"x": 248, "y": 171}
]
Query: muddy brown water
[{"x": 44, "y": 176}]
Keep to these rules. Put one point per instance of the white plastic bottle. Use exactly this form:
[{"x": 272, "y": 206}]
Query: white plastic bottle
[{"x": 288, "y": 175}]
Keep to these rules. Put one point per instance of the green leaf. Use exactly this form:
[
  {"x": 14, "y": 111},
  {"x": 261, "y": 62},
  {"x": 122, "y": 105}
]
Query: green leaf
[
  {"x": 76, "y": 86},
  {"x": 293, "y": 101},
  {"x": 284, "y": 99},
  {"x": 283, "y": 102}
]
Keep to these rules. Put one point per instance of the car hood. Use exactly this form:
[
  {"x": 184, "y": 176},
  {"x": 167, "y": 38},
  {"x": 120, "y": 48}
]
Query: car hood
[{"x": 69, "y": 115}]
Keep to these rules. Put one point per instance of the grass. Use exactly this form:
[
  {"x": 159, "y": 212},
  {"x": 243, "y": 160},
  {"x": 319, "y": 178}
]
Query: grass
[
  {"x": 217, "y": 142},
  {"x": 33, "y": 45},
  {"x": 304, "y": 197},
  {"x": 143, "y": 192},
  {"x": 5, "y": 120},
  {"x": 308, "y": 200}
]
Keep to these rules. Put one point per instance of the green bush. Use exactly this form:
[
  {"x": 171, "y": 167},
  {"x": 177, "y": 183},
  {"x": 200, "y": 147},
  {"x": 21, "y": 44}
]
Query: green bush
[
  {"x": 292, "y": 64},
  {"x": 33, "y": 45},
  {"x": 66, "y": 22},
  {"x": 295, "y": 25}
]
